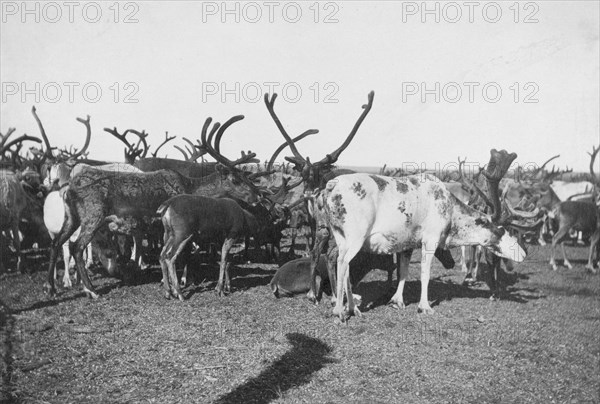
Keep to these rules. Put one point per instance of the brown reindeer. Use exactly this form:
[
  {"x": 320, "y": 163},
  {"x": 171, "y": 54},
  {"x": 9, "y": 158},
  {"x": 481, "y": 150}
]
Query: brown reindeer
[{"x": 187, "y": 217}]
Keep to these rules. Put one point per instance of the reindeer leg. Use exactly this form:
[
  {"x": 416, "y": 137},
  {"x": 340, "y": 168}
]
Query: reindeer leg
[
  {"x": 137, "y": 253},
  {"x": 566, "y": 261},
  {"x": 67, "y": 259},
  {"x": 323, "y": 239},
  {"x": 541, "y": 232},
  {"x": 179, "y": 244},
  {"x": 558, "y": 236},
  {"x": 352, "y": 307},
  {"x": 68, "y": 228},
  {"x": 224, "y": 270},
  {"x": 183, "y": 282},
  {"x": 471, "y": 255},
  {"x": 332, "y": 273},
  {"x": 593, "y": 243},
  {"x": 477, "y": 256},
  {"x": 342, "y": 267},
  {"x": 495, "y": 284},
  {"x": 89, "y": 226},
  {"x": 89, "y": 257},
  {"x": 402, "y": 263},
  {"x": 17, "y": 244},
  {"x": 464, "y": 267},
  {"x": 164, "y": 256},
  {"x": 186, "y": 259},
  {"x": 343, "y": 278},
  {"x": 427, "y": 252}
]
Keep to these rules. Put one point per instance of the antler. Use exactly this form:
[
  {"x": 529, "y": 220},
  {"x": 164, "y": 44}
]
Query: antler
[
  {"x": 142, "y": 140},
  {"x": 18, "y": 142},
  {"x": 210, "y": 149},
  {"x": 497, "y": 167},
  {"x": 167, "y": 140},
  {"x": 195, "y": 152},
  {"x": 131, "y": 152},
  {"x": 88, "y": 137},
  {"x": 270, "y": 103},
  {"x": 284, "y": 145},
  {"x": 471, "y": 185},
  {"x": 4, "y": 138},
  {"x": 332, "y": 158},
  {"x": 48, "y": 152},
  {"x": 593, "y": 156},
  {"x": 536, "y": 171}
]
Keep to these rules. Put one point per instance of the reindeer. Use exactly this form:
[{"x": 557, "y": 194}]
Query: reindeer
[
  {"x": 386, "y": 215},
  {"x": 135, "y": 154},
  {"x": 185, "y": 216},
  {"x": 60, "y": 168},
  {"x": 18, "y": 200},
  {"x": 580, "y": 216},
  {"x": 20, "y": 193},
  {"x": 97, "y": 197}
]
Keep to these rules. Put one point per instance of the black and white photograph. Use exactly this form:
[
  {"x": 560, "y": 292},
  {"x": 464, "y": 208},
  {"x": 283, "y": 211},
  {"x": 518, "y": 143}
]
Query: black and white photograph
[{"x": 302, "y": 201}]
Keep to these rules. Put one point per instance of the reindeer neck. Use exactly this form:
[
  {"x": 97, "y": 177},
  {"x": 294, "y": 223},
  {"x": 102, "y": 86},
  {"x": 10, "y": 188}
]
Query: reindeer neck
[
  {"x": 198, "y": 184},
  {"x": 467, "y": 226}
]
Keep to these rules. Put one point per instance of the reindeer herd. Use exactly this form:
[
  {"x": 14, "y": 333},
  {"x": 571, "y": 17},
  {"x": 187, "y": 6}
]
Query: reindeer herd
[{"x": 59, "y": 198}]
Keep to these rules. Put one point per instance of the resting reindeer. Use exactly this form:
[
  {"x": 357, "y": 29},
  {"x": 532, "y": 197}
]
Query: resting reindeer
[{"x": 386, "y": 215}]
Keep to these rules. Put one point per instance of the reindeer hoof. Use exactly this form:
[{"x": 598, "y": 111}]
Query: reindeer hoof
[
  {"x": 90, "y": 293},
  {"x": 494, "y": 298},
  {"x": 357, "y": 312},
  {"x": 167, "y": 295},
  {"x": 49, "y": 289},
  {"x": 339, "y": 312},
  {"x": 590, "y": 269},
  {"x": 220, "y": 292},
  {"x": 425, "y": 310},
  {"x": 396, "y": 304}
]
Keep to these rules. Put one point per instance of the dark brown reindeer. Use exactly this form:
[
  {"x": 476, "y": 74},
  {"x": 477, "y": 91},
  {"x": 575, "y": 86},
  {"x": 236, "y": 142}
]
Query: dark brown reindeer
[
  {"x": 187, "y": 217},
  {"x": 581, "y": 216},
  {"x": 19, "y": 192},
  {"x": 95, "y": 197}
]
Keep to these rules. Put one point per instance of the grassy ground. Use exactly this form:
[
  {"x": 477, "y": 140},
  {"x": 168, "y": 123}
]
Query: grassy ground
[{"x": 540, "y": 343}]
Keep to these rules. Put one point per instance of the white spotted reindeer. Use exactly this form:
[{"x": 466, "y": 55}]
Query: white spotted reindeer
[{"x": 386, "y": 215}]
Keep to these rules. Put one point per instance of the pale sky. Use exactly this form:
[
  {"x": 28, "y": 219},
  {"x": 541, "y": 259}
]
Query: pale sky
[{"x": 179, "y": 56}]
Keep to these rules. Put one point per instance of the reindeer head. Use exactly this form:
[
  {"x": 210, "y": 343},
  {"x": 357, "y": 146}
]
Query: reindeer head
[
  {"x": 504, "y": 245},
  {"x": 313, "y": 174}
]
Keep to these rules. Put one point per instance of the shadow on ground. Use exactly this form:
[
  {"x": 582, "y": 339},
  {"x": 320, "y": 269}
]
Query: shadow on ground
[{"x": 296, "y": 367}]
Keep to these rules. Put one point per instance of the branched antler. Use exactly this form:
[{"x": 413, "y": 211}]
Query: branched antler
[
  {"x": 167, "y": 140},
  {"x": 132, "y": 151},
  {"x": 4, "y": 138}
]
